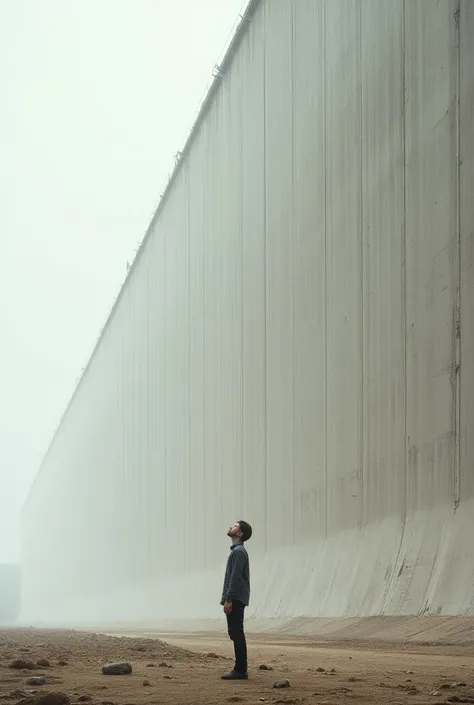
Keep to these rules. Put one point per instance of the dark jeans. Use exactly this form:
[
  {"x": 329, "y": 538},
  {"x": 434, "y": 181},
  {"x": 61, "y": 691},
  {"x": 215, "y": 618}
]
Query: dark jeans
[{"x": 235, "y": 629}]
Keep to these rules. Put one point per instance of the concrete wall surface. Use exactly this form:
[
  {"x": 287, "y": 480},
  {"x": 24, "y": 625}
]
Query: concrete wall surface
[{"x": 294, "y": 344}]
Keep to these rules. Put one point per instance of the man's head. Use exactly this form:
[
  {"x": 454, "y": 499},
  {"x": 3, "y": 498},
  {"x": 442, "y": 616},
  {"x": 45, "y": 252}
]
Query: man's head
[{"x": 241, "y": 531}]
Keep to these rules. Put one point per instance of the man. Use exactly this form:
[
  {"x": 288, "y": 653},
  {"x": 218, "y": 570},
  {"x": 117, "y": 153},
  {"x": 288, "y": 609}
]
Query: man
[{"x": 235, "y": 596}]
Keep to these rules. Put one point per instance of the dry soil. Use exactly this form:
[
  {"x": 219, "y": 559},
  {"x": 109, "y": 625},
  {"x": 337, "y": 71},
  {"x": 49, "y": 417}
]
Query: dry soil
[{"x": 185, "y": 670}]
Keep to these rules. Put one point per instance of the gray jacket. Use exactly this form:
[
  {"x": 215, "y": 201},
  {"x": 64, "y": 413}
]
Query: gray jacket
[{"x": 237, "y": 576}]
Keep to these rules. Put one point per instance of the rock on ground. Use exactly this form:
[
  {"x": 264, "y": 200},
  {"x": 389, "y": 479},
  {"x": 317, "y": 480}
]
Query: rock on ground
[
  {"x": 20, "y": 664},
  {"x": 117, "y": 669},
  {"x": 282, "y": 684}
]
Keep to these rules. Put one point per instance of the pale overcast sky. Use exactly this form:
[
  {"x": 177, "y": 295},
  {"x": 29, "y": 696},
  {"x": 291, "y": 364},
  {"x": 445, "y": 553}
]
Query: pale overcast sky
[{"x": 96, "y": 98}]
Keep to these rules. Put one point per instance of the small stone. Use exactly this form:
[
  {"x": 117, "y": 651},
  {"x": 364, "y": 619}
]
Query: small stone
[
  {"x": 163, "y": 664},
  {"x": 458, "y": 684},
  {"x": 20, "y": 664},
  {"x": 282, "y": 684},
  {"x": 117, "y": 669},
  {"x": 44, "y": 663},
  {"x": 320, "y": 670},
  {"x": 211, "y": 654},
  {"x": 434, "y": 692},
  {"x": 146, "y": 683},
  {"x": 36, "y": 680},
  {"x": 63, "y": 663},
  {"x": 151, "y": 665},
  {"x": 168, "y": 678},
  {"x": 445, "y": 686},
  {"x": 235, "y": 699},
  {"x": 84, "y": 698},
  {"x": 333, "y": 670},
  {"x": 353, "y": 679},
  {"x": 264, "y": 667}
]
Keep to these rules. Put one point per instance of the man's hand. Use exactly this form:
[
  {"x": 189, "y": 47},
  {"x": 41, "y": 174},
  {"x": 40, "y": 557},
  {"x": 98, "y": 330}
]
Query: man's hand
[{"x": 227, "y": 607}]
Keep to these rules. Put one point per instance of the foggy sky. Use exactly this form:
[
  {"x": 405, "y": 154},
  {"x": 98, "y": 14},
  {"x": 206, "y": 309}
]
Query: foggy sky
[{"x": 97, "y": 96}]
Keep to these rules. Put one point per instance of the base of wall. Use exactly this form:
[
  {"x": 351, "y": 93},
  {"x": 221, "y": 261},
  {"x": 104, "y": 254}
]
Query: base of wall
[{"x": 409, "y": 630}]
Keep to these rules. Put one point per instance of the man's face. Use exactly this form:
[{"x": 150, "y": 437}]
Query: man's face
[{"x": 234, "y": 531}]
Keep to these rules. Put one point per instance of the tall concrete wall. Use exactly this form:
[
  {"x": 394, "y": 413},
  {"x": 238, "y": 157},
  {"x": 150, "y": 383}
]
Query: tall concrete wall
[{"x": 294, "y": 344}]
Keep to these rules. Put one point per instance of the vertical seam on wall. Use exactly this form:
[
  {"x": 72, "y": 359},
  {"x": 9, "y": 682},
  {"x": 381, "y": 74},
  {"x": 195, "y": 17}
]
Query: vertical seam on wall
[
  {"x": 325, "y": 272},
  {"x": 149, "y": 392},
  {"x": 362, "y": 327},
  {"x": 122, "y": 414},
  {"x": 293, "y": 236},
  {"x": 404, "y": 249},
  {"x": 221, "y": 400},
  {"x": 133, "y": 454},
  {"x": 203, "y": 351},
  {"x": 188, "y": 178},
  {"x": 265, "y": 375},
  {"x": 242, "y": 284},
  {"x": 165, "y": 483},
  {"x": 457, "y": 319}
]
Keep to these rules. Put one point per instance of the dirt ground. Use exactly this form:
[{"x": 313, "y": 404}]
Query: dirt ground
[{"x": 186, "y": 669}]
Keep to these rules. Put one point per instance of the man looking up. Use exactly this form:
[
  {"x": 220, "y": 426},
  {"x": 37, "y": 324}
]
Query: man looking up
[{"x": 235, "y": 596}]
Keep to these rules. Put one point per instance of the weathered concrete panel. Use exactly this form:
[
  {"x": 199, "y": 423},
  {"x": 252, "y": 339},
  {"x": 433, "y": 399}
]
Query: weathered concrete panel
[
  {"x": 279, "y": 198},
  {"x": 309, "y": 287},
  {"x": 344, "y": 267},
  {"x": 254, "y": 336}
]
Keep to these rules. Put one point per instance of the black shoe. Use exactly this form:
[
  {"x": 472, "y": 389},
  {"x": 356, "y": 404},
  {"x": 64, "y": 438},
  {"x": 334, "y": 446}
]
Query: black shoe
[{"x": 235, "y": 676}]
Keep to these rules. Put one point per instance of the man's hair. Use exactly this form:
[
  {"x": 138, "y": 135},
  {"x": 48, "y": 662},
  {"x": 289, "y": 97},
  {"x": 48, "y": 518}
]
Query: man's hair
[{"x": 246, "y": 530}]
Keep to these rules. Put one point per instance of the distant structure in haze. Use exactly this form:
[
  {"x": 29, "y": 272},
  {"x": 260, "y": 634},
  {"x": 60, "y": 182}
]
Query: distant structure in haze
[{"x": 9, "y": 593}]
